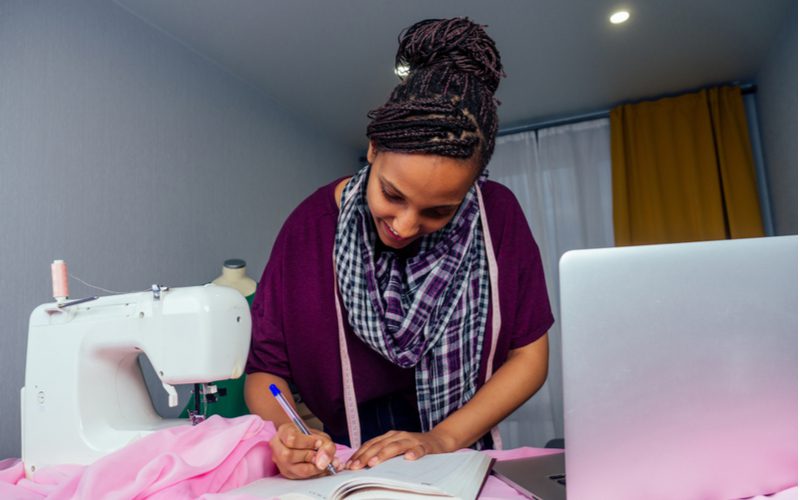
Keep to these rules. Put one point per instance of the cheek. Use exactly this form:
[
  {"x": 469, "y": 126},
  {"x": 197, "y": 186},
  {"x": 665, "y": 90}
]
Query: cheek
[
  {"x": 378, "y": 207},
  {"x": 435, "y": 225}
]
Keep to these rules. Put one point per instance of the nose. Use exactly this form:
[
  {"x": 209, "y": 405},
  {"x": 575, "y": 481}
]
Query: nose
[{"x": 406, "y": 224}]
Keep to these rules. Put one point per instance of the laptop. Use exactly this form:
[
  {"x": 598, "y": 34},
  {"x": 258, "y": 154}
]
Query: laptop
[
  {"x": 538, "y": 478},
  {"x": 680, "y": 369}
]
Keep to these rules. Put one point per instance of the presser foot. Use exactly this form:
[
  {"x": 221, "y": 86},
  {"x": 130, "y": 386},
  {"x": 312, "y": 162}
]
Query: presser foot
[{"x": 195, "y": 417}]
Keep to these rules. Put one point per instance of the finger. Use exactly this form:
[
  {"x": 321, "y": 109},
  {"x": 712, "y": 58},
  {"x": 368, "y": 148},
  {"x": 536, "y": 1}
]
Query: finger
[
  {"x": 392, "y": 449},
  {"x": 321, "y": 460},
  {"x": 284, "y": 456},
  {"x": 321, "y": 434},
  {"x": 415, "y": 452},
  {"x": 370, "y": 456},
  {"x": 291, "y": 437},
  {"x": 367, "y": 450},
  {"x": 294, "y": 464},
  {"x": 301, "y": 471},
  {"x": 326, "y": 444},
  {"x": 326, "y": 450}
]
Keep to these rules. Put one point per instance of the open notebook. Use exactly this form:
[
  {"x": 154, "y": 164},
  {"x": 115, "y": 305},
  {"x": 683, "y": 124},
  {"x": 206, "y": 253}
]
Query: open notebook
[{"x": 448, "y": 475}]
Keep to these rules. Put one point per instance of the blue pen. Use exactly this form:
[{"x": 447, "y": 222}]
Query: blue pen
[{"x": 294, "y": 416}]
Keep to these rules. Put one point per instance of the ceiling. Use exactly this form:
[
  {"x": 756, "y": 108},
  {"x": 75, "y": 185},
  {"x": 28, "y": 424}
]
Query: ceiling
[{"x": 331, "y": 61}]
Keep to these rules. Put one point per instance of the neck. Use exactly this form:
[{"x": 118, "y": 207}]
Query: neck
[{"x": 233, "y": 274}]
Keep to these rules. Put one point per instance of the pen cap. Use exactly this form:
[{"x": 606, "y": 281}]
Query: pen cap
[{"x": 274, "y": 389}]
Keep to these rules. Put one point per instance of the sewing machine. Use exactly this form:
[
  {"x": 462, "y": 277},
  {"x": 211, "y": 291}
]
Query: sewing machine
[{"x": 84, "y": 393}]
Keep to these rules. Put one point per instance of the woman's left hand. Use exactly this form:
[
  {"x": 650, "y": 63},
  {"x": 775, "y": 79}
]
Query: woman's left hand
[{"x": 412, "y": 445}]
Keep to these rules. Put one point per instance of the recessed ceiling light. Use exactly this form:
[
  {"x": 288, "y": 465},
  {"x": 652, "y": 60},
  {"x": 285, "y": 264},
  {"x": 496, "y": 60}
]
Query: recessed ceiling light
[
  {"x": 619, "y": 17},
  {"x": 401, "y": 70}
]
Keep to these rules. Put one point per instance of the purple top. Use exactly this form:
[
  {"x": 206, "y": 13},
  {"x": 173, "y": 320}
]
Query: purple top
[{"x": 295, "y": 332}]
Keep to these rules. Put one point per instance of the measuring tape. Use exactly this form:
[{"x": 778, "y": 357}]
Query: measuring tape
[
  {"x": 350, "y": 403},
  {"x": 495, "y": 301}
]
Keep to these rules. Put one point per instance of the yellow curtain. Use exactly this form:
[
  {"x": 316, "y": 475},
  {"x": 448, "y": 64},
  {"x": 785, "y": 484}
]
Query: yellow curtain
[{"x": 682, "y": 170}]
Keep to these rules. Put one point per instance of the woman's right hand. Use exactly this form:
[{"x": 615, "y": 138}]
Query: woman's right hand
[{"x": 299, "y": 456}]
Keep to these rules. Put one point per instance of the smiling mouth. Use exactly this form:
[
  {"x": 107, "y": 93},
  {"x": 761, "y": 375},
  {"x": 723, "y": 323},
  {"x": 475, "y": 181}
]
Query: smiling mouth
[{"x": 392, "y": 232}]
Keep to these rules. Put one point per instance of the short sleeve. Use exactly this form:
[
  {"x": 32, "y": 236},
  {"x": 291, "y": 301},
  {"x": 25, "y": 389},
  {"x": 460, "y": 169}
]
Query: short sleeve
[
  {"x": 267, "y": 344},
  {"x": 533, "y": 314},
  {"x": 523, "y": 288}
]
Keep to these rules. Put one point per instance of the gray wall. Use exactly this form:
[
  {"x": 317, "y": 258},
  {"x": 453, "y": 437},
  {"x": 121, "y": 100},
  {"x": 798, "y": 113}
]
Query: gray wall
[
  {"x": 133, "y": 159},
  {"x": 777, "y": 109}
]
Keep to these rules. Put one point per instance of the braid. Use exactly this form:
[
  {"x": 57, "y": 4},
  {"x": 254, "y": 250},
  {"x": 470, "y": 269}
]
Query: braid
[{"x": 446, "y": 105}]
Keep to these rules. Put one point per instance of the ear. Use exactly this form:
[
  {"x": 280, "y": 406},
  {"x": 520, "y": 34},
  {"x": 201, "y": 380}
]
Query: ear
[{"x": 372, "y": 152}]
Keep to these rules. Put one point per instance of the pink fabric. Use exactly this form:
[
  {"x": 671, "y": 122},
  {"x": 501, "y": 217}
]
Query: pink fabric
[
  {"x": 189, "y": 462},
  {"x": 180, "y": 462}
]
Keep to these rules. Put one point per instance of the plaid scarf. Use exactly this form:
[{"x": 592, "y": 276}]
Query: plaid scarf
[{"x": 427, "y": 311}]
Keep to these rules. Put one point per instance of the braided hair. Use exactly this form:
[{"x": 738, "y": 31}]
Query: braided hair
[{"x": 445, "y": 105}]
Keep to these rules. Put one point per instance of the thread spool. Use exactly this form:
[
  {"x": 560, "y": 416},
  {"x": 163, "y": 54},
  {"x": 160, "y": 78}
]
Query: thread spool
[{"x": 59, "y": 273}]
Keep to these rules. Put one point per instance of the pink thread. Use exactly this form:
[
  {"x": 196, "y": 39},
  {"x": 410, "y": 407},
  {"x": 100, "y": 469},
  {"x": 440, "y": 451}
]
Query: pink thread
[{"x": 60, "y": 284}]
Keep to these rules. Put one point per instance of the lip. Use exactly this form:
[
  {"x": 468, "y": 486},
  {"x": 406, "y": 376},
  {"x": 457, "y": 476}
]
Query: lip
[{"x": 391, "y": 235}]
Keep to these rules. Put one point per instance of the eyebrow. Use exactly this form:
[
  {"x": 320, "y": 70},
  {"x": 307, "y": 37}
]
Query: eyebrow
[{"x": 386, "y": 183}]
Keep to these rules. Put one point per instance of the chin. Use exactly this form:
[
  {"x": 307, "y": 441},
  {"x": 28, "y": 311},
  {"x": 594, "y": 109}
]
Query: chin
[{"x": 397, "y": 245}]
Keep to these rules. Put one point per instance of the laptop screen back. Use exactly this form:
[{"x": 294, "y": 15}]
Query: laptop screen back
[{"x": 680, "y": 369}]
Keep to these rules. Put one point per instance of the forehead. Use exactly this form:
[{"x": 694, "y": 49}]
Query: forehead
[{"x": 426, "y": 180}]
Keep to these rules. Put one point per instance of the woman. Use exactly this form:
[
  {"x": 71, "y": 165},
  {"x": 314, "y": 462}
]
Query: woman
[{"x": 406, "y": 303}]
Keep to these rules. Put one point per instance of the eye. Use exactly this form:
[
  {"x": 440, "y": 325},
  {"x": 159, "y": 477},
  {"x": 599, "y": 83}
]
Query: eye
[
  {"x": 439, "y": 213},
  {"x": 391, "y": 196}
]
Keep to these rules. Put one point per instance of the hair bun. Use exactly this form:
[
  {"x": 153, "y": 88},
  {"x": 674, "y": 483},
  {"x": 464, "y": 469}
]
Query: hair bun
[{"x": 457, "y": 42}]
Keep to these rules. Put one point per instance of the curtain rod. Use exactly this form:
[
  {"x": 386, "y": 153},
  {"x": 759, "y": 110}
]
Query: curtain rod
[{"x": 747, "y": 88}]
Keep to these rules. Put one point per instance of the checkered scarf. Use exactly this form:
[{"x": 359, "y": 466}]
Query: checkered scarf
[{"x": 428, "y": 311}]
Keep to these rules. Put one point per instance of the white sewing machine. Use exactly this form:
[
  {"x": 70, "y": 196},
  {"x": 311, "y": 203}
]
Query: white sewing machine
[{"x": 84, "y": 393}]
